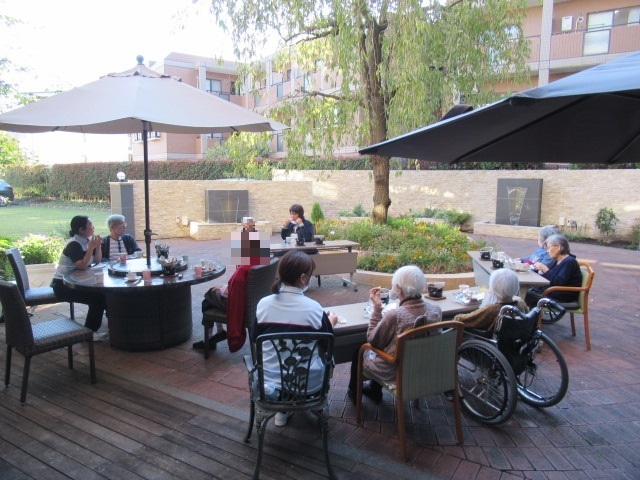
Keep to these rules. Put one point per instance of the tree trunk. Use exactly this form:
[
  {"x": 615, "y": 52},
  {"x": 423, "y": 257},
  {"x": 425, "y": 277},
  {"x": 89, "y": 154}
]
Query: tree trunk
[{"x": 381, "y": 200}]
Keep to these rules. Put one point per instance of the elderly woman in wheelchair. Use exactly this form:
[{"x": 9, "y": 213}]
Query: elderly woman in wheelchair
[
  {"x": 503, "y": 287},
  {"x": 506, "y": 356}
]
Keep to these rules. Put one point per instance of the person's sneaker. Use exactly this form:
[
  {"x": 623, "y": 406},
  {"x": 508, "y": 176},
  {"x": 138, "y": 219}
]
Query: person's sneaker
[
  {"x": 281, "y": 418},
  {"x": 373, "y": 393},
  {"x": 100, "y": 337}
]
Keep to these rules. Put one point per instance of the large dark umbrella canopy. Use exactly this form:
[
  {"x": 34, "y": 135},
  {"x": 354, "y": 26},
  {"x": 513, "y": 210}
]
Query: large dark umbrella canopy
[
  {"x": 136, "y": 101},
  {"x": 590, "y": 117}
]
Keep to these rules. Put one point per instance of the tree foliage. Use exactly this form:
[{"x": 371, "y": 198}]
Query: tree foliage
[
  {"x": 10, "y": 153},
  {"x": 245, "y": 150},
  {"x": 387, "y": 66}
]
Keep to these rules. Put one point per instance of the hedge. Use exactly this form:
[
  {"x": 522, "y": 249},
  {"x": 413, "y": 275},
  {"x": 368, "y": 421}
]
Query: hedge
[{"x": 90, "y": 181}]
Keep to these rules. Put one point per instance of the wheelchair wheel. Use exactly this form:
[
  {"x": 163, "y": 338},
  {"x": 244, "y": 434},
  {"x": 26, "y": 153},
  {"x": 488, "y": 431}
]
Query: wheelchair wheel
[
  {"x": 487, "y": 382},
  {"x": 545, "y": 378}
]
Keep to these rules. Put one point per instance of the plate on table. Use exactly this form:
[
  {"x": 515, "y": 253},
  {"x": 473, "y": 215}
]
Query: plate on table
[
  {"x": 464, "y": 299},
  {"x": 523, "y": 268}
]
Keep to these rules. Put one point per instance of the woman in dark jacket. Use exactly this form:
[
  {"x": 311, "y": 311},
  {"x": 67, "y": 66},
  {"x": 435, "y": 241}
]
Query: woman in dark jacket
[
  {"x": 296, "y": 223},
  {"x": 565, "y": 273}
]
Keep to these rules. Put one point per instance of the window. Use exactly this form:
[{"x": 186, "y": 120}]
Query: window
[
  {"x": 256, "y": 99},
  {"x": 214, "y": 86},
  {"x": 599, "y": 24},
  {"x": 279, "y": 143},
  {"x": 225, "y": 96},
  {"x": 596, "y": 38},
  {"x": 263, "y": 83},
  {"x": 233, "y": 88},
  {"x": 151, "y": 135},
  {"x": 280, "y": 90},
  {"x": 308, "y": 84},
  {"x": 216, "y": 138},
  {"x": 288, "y": 76},
  {"x": 626, "y": 16}
]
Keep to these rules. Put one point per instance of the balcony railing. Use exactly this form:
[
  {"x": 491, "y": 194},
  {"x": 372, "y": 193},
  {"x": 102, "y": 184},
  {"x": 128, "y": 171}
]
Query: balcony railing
[{"x": 565, "y": 45}]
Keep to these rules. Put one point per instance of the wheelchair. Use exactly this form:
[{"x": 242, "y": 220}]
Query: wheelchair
[{"x": 515, "y": 360}]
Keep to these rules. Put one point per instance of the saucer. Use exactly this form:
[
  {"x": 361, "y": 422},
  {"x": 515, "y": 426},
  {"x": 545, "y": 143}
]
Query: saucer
[
  {"x": 130, "y": 280},
  {"x": 435, "y": 298}
]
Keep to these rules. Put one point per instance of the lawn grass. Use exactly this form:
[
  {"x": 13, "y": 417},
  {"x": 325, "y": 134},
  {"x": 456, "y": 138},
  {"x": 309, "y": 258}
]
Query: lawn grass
[{"x": 17, "y": 221}]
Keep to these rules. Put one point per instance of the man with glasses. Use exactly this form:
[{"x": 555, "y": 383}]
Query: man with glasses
[{"x": 118, "y": 242}]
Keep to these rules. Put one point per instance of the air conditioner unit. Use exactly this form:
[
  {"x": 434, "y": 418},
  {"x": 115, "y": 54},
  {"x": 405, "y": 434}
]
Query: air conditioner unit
[{"x": 567, "y": 23}]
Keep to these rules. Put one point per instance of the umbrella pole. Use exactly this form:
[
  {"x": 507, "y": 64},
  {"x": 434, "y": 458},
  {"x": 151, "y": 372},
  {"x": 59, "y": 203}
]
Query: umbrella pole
[{"x": 147, "y": 229}]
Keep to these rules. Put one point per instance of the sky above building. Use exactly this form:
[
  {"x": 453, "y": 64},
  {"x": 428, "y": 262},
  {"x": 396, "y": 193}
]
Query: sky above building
[
  {"x": 66, "y": 43},
  {"x": 62, "y": 44}
]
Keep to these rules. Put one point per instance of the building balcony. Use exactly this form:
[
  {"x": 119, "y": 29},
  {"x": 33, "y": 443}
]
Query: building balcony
[{"x": 580, "y": 48}]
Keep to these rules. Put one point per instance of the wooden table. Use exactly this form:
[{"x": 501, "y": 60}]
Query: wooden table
[
  {"x": 144, "y": 315},
  {"x": 482, "y": 270},
  {"x": 349, "y": 336},
  {"x": 333, "y": 257}
]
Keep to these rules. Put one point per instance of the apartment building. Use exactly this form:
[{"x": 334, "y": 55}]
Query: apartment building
[
  {"x": 208, "y": 74},
  {"x": 566, "y": 36}
]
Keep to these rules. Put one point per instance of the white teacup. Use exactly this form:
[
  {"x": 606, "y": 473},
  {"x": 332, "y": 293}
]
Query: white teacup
[{"x": 131, "y": 276}]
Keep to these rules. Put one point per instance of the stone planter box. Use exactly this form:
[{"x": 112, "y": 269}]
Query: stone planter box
[
  {"x": 451, "y": 280},
  {"x": 41, "y": 274}
]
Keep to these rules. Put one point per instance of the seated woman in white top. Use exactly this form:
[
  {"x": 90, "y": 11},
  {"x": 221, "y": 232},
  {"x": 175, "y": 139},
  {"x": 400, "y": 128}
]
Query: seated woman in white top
[{"x": 288, "y": 310}]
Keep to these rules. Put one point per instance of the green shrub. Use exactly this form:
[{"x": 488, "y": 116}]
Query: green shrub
[
  {"x": 453, "y": 217},
  {"x": 6, "y": 272},
  {"x": 435, "y": 248},
  {"x": 357, "y": 211},
  {"x": 606, "y": 221},
  {"x": 40, "y": 248},
  {"x": 316, "y": 213}
]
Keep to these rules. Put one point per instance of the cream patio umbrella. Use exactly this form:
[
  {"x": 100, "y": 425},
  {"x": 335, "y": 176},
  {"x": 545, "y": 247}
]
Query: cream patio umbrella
[{"x": 139, "y": 100}]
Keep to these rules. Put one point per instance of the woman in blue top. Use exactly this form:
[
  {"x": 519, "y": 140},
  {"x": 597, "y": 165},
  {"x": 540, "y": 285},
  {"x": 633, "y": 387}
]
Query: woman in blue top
[
  {"x": 565, "y": 273},
  {"x": 541, "y": 255},
  {"x": 81, "y": 250}
]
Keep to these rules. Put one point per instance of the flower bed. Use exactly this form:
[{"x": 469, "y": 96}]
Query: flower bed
[{"x": 435, "y": 248}]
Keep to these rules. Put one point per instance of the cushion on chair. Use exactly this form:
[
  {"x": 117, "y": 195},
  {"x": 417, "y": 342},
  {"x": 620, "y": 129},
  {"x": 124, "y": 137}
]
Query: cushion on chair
[
  {"x": 40, "y": 296},
  {"x": 55, "y": 334}
]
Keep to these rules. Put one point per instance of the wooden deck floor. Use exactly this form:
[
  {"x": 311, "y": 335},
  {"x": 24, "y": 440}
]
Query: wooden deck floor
[{"x": 124, "y": 430}]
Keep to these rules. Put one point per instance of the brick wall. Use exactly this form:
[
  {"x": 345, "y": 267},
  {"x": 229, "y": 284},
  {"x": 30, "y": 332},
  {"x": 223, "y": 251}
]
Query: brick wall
[
  {"x": 269, "y": 201},
  {"x": 572, "y": 194}
]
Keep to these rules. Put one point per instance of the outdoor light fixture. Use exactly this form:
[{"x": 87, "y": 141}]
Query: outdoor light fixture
[{"x": 121, "y": 176}]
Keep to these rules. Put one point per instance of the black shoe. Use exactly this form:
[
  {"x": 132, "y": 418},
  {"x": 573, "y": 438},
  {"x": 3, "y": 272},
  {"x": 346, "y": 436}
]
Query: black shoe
[
  {"x": 450, "y": 395},
  {"x": 200, "y": 345},
  {"x": 220, "y": 336},
  {"x": 373, "y": 393}
]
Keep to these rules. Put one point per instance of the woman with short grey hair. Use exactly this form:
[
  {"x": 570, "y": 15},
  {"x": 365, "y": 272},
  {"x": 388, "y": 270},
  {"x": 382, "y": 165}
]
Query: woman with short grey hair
[
  {"x": 565, "y": 273},
  {"x": 541, "y": 255},
  {"x": 407, "y": 284},
  {"x": 118, "y": 242},
  {"x": 503, "y": 288}
]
